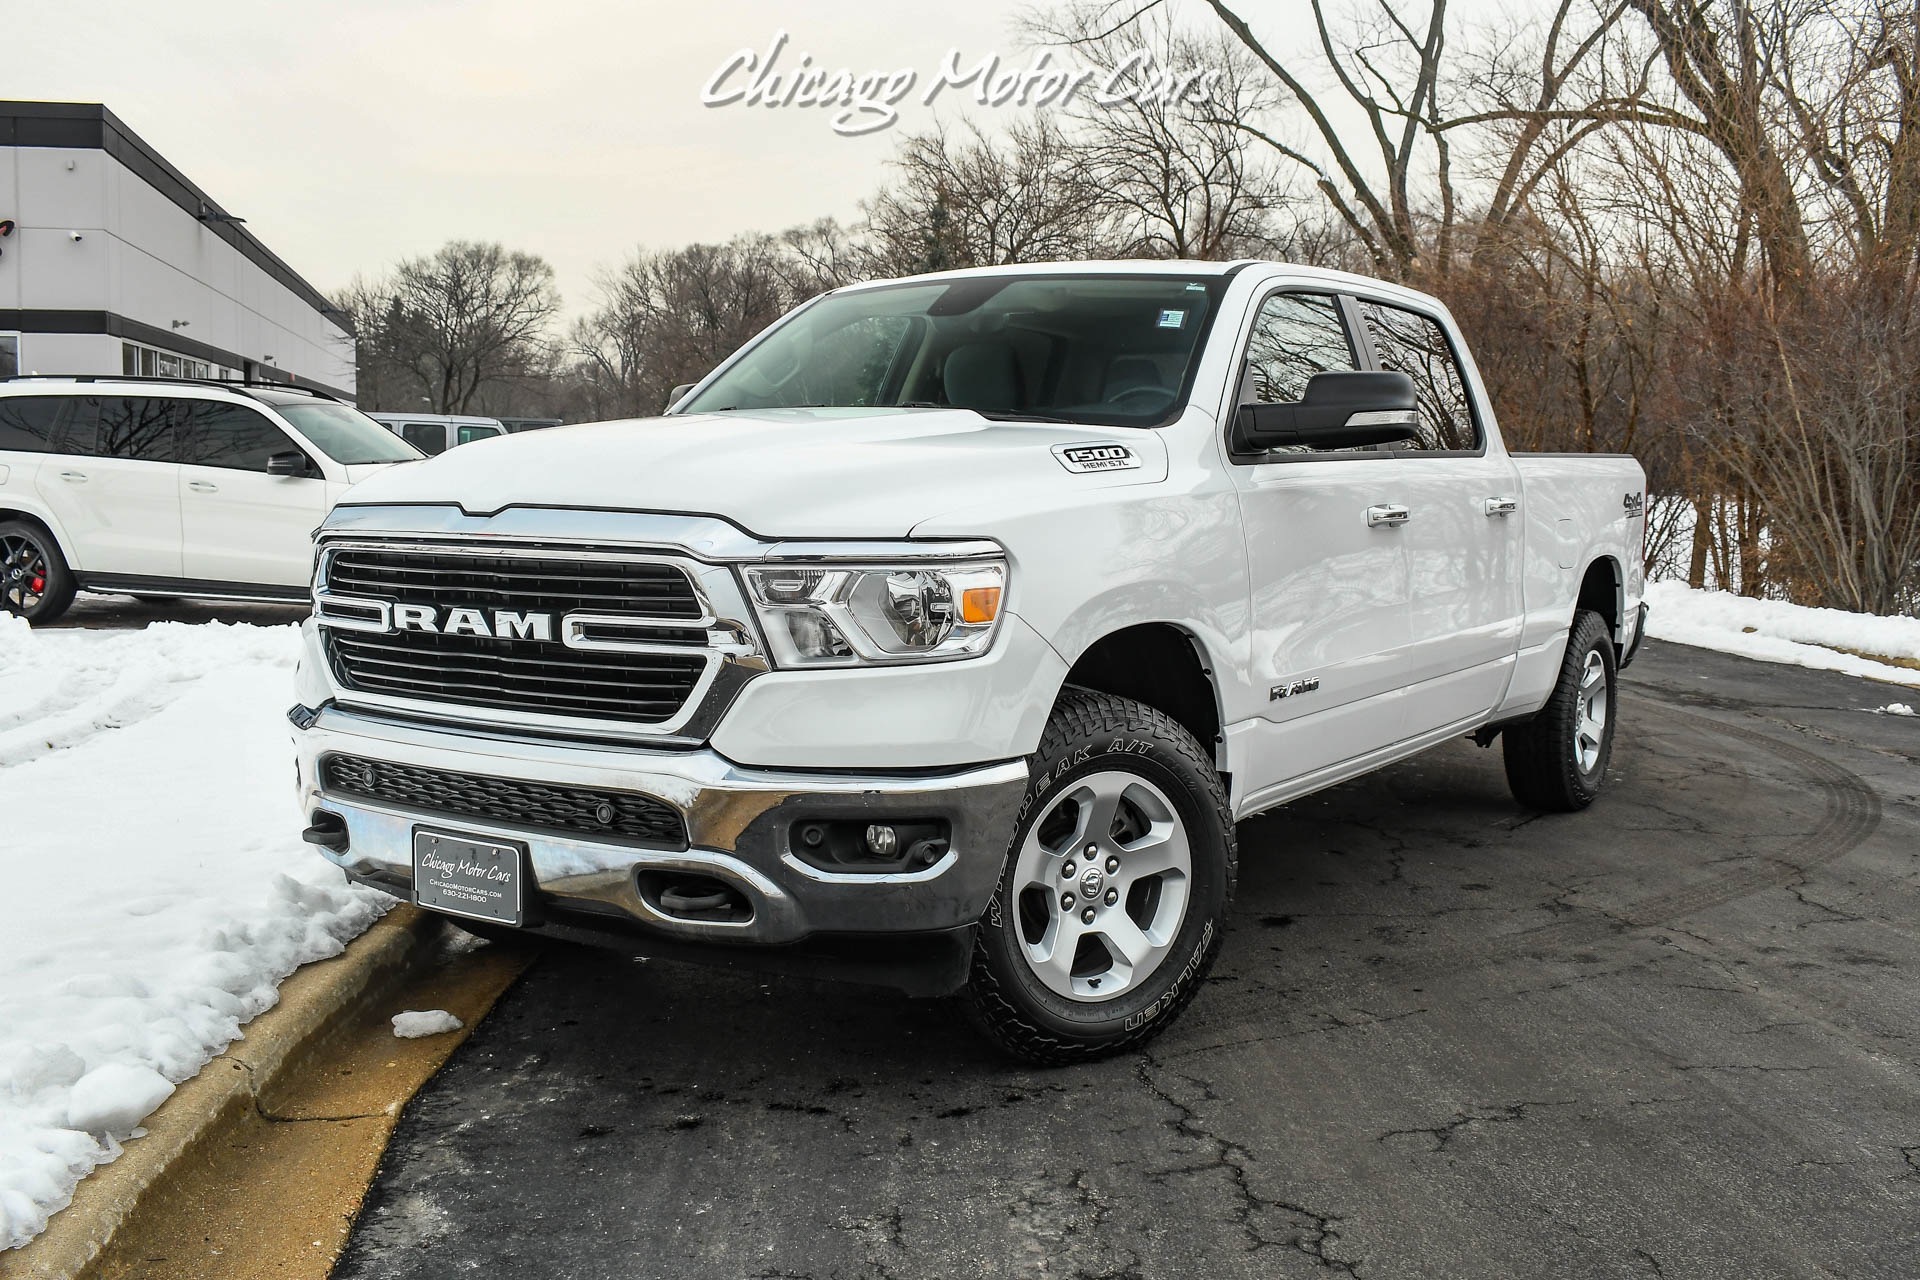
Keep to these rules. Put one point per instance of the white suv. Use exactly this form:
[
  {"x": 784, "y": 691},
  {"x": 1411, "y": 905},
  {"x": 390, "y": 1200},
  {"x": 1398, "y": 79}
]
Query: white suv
[{"x": 170, "y": 488}]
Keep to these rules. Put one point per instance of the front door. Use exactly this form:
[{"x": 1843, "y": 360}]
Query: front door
[
  {"x": 1329, "y": 594},
  {"x": 239, "y": 524}
]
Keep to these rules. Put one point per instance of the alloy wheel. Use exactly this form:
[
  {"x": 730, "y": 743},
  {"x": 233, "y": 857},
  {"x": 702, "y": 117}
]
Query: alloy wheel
[
  {"x": 23, "y": 574},
  {"x": 1101, "y": 886},
  {"x": 1590, "y": 712}
]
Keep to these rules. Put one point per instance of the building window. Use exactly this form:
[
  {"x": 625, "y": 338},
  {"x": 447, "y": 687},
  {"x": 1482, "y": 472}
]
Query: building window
[
  {"x": 149, "y": 362},
  {"x": 9, "y": 354}
]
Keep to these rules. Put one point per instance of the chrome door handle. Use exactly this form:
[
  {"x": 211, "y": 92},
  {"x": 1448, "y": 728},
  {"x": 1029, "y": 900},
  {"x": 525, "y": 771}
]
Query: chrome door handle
[
  {"x": 1502, "y": 506},
  {"x": 1388, "y": 514},
  {"x": 203, "y": 486},
  {"x": 74, "y": 477}
]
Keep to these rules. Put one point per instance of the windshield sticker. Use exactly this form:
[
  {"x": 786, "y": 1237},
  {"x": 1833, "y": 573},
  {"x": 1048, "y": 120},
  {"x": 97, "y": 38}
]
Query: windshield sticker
[
  {"x": 1082, "y": 458},
  {"x": 1172, "y": 319}
]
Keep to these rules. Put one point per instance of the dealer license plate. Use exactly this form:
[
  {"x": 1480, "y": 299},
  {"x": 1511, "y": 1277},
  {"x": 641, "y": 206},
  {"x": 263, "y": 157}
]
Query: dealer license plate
[{"x": 467, "y": 877}]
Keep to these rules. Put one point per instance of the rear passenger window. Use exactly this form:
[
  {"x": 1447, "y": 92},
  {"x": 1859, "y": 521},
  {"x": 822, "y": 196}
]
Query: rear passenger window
[
  {"x": 427, "y": 437},
  {"x": 1417, "y": 346},
  {"x": 468, "y": 435},
  {"x": 137, "y": 428},
  {"x": 216, "y": 434},
  {"x": 29, "y": 424}
]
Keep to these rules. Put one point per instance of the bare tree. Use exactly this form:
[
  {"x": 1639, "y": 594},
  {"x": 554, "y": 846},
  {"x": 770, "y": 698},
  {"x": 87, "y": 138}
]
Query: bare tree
[
  {"x": 471, "y": 315},
  {"x": 668, "y": 317},
  {"x": 1179, "y": 179},
  {"x": 964, "y": 199}
]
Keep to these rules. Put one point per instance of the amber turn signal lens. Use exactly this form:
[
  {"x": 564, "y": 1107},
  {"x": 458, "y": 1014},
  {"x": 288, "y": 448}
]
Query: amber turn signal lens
[{"x": 980, "y": 604}]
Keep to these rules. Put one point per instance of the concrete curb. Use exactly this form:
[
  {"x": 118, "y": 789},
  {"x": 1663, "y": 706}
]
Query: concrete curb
[{"x": 315, "y": 1000}]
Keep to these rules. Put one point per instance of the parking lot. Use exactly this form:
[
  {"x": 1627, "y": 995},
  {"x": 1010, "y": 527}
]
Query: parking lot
[{"x": 1672, "y": 1036}]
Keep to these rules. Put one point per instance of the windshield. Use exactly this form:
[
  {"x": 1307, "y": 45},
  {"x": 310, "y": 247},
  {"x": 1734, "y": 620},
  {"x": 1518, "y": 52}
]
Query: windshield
[
  {"x": 1109, "y": 349},
  {"x": 346, "y": 435}
]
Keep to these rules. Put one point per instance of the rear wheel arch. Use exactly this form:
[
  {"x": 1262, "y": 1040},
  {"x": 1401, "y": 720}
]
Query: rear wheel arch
[
  {"x": 1603, "y": 591},
  {"x": 45, "y": 526}
]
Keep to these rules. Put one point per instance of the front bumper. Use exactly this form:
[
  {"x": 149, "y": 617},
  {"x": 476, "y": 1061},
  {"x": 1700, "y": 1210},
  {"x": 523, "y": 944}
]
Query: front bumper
[{"x": 737, "y": 819}]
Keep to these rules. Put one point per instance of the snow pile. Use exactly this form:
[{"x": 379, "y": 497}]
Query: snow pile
[
  {"x": 414, "y": 1024},
  {"x": 1894, "y": 709},
  {"x": 1775, "y": 631},
  {"x": 158, "y": 887}
]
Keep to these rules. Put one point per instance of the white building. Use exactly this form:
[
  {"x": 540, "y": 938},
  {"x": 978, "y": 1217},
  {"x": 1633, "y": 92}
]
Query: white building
[{"x": 116, "y": 263}]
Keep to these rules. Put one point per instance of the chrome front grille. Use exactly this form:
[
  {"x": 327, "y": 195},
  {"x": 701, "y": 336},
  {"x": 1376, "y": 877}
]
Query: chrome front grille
[
  {"x": 543, "y": 637},
  {"x": 553, "y": 584}
]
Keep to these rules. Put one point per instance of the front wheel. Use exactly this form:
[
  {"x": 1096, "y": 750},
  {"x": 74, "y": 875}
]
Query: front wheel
[
  {"x": 1113, "y": 900},
  {"x": 1557, "y": 760},
  {"x": 34, "y": 579}
]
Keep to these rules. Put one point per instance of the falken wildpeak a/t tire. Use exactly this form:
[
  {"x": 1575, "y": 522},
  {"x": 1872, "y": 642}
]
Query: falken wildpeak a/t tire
[
  {"x": 30, "y": 555},
  {"x": 1557, "y": 760},
  {"x": 1113, "y": 900}
]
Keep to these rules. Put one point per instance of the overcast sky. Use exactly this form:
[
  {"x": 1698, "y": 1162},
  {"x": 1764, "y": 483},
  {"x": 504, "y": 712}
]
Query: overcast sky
[{"x": 351, "y": 133}]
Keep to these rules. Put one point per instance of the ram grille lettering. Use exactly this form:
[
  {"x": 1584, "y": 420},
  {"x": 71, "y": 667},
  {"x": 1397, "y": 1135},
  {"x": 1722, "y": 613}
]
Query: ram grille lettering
[{"x": 503, "y": 624}]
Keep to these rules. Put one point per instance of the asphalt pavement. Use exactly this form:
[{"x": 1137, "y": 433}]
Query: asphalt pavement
[
  {"x": 1673, "y": 1036},
  {"x": 120, "y": 613}
]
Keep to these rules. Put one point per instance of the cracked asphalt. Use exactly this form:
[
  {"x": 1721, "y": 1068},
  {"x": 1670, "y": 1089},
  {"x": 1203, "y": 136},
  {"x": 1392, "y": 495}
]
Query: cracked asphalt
[{"x": 1674, "y": 1036}]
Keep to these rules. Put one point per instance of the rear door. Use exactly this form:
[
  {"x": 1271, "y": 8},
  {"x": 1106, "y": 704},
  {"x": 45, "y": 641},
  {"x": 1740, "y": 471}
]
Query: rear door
[
  {"x": 115, "y": 489},
  {"x": 29, "y": 426},
  {"x": 1463, "y": 535},
  {"x": 1328, "y": 571},
  {"x": 239, "y": 524}
]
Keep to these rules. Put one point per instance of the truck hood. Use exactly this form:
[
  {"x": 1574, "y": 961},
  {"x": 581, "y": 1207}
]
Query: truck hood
[{"x": 777, "y": 473}]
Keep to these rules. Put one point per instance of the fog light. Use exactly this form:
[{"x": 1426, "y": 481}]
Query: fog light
[{"x": 882, "y": 840}]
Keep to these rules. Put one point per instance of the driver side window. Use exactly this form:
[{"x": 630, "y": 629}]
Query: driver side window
[{"x": 1295, "y": 336}]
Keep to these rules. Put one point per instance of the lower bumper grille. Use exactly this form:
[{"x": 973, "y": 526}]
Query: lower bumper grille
[{"x": 604, "y": 815}]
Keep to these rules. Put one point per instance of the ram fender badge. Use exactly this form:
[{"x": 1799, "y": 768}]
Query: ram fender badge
[
  {"x": 1096, "y": 456},
  {"x": 1280, "y": 691},
  {"x": 1633, "y": 503}
]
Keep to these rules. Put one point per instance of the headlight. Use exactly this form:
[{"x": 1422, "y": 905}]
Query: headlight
[{"x": 865, "y": 615}]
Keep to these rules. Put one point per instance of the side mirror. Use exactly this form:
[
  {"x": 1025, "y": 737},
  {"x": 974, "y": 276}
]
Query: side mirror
[
  {"x": 1339, "y": 411},
  {"x": 679, "y": 393},
  {"x": 290, "y": 463}
]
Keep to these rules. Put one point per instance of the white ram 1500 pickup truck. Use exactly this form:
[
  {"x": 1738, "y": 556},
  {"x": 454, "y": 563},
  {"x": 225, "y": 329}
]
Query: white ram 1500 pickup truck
[{"x": 941, "y": 635}]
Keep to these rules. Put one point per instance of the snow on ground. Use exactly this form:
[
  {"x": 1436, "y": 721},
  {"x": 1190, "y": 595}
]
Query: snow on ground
[
  {"x": 157, "y": 888},
  {"x": 1775, "y": 631},
  {"x": 415, "y": 1023}
]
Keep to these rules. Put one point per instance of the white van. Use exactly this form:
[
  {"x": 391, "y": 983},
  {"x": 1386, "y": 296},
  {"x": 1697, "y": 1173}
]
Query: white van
[{"x": 433, "y": 433}]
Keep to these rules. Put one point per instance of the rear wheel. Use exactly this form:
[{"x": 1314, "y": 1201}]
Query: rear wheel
[
  {"x": 1113, "y": 900},
  {"x": 1557, "y": 760},
  {"x": 35, "y": 582}
]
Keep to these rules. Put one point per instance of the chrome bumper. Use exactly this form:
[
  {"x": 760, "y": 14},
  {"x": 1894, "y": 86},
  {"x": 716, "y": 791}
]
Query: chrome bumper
[{"x": 737, "y": 819}]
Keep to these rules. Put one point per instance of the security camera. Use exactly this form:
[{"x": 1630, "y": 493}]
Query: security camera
[{"x": 75, "y": 236}]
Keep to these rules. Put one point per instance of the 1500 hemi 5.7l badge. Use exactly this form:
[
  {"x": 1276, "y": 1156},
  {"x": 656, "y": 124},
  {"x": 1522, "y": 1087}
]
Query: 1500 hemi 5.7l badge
[{"x": 1096, "y": 457}]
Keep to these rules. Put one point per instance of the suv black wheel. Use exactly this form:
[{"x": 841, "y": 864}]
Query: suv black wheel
[
  {"x": 34, "y": 580},
  {"x": 1557, "y": 760},
  {"x": 1113, "y": 900}
]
